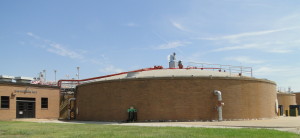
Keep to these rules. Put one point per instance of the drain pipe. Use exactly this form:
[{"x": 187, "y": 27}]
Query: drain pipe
[
  {"x": 220, "y": 104},
  {"x": 69, "y": 109}
]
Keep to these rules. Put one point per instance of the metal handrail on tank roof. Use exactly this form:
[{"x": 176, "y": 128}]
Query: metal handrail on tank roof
[
  {"x": 94, "y": 78},
  {"x": 59, "y": 83},
  {"x": 231, "y": 69}
]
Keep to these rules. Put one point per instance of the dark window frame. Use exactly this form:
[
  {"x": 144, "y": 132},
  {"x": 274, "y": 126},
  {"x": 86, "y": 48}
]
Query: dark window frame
[
  {"x": 5, "y": 102},
  {"x": 44, "y": 103}
]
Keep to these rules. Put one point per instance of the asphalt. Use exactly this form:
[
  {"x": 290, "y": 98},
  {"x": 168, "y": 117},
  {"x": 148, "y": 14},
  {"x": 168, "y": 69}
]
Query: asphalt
[{"x": 289, "y": 124}]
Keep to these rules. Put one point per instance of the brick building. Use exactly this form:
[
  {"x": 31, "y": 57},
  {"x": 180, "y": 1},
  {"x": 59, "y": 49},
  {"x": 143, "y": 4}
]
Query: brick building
[{"x": 22, "y": 100}]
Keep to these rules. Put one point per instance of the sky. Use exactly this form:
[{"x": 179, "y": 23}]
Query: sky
[{"x": 109, "y": 36}]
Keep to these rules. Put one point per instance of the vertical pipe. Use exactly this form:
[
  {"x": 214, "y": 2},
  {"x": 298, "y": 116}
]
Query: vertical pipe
[
  {"x": 218, "y": 93},
  {"x": 69, "y": 110}
]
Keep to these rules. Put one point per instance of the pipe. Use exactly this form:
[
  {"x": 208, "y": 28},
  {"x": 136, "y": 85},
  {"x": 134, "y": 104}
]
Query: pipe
[
  {"x": 140, "y": 70},
  {"x": 220, "y": 104},
  {"x": 218, "y": 93},
  {"x": 69, "y": 110}
]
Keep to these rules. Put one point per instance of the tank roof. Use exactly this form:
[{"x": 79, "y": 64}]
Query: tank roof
[
  {"x": 285, "y": 93},
  {"x": 168, "y": 73}
]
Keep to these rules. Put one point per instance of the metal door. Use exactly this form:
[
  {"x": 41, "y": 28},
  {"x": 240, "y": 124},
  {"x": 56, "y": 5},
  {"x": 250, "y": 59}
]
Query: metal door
[{"x": 25, "y": 109}]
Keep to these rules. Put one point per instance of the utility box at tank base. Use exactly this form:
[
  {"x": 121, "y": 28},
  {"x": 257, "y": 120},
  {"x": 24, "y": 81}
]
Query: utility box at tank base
[{"x": 294, "y": 110}]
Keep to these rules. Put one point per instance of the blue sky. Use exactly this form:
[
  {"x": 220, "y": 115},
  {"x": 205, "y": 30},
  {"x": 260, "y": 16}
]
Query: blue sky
[{"x": 104, "y": 37}]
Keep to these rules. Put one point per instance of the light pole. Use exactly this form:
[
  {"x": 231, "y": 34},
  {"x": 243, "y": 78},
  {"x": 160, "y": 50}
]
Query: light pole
[
  {"x": 45, "y": 74},
  {"x": 55, "y": 75},
  {"x": 78, "y": 73}
]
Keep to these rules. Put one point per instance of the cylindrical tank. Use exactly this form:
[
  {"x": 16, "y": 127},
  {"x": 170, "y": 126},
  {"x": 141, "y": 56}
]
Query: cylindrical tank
[
  {"x": 177, "y": 98},
  {"x": 286, "y": 99},
  {"x": 297, "y": 98}
]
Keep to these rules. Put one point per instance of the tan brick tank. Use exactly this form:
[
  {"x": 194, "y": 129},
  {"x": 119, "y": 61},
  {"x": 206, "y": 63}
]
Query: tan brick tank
[
  {"x": 297, "y": 98},
  {"x": 177, "y": 98},
  {"x": 286, "y": 99}
]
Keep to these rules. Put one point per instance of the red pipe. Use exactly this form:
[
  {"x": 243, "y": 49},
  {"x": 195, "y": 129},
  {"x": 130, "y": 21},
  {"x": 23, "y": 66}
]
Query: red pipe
[{"x": 140, "y": 70}]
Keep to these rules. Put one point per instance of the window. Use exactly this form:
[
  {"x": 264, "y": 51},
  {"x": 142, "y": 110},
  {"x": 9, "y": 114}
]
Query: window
[
  {"x": 44, "y": 102},
  {"x": 4, "y": 101}
]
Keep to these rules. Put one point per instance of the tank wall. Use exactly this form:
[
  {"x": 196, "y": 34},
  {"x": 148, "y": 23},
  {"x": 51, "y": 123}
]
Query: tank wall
[
  {"x": 297, "y": 98},
  {"x": 174, "y": 99},
  {"x": 286, "y": 100}
]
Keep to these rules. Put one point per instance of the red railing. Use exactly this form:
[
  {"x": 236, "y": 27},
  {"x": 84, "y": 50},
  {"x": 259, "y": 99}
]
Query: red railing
[
  {"x": 101, "y": 77},
  {"x": 60, "y": 82}
]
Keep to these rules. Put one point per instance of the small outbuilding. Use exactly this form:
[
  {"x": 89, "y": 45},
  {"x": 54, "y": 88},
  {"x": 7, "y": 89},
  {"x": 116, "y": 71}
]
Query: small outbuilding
[{"x": 21, "y": 99}]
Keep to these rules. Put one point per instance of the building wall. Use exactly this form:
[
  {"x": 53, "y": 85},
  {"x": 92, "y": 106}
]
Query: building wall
[
  {"x": 297, "y": 98},
  {"x": 181, "y": 99},
  {"x": 286, "y": 100},
  {"x": 42, "y": 92}
]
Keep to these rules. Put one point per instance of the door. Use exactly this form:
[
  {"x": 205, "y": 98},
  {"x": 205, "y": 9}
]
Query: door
[{"x": 26, "y": 108}]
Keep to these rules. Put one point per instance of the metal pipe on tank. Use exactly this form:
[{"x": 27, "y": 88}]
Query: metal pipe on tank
[
  {"x": 218, "y": 93},
  {"x": 69, "y": 110}
]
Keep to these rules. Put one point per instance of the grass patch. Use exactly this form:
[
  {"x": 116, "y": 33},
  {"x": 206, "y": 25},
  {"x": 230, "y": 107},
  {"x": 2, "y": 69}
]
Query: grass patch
[{"x": 51, "y": 130}]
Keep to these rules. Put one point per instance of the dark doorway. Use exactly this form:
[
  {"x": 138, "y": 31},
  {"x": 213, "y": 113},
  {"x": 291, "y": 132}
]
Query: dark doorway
[
  {"x": 280, "y": 110},
  {"x": 25, "y": 107}
]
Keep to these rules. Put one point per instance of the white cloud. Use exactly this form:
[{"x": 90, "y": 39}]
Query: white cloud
[
  {"x": 279, "y": 51},
  {"x": 244, "y": 59},
  {"x": 280, "y": 47},
  {"x": 246, "y": 46},
  {"x": 179, "y": 26},
  {"x": 33, "y": 35},
  {"x": 280, "y": 71},
  {"x": 284, "y": 76},
  {"x": 62, "y": 51},
  {"x": 288, "y": 20},
  {"x": 248, "y": 34},
  {"x": 131, "y": 24},
  {"x": 56, "y": 48},
  {"x": 265, "y": 70},
  {"x": 110, "y": 69},
  {"x": 171, "y": 45}
]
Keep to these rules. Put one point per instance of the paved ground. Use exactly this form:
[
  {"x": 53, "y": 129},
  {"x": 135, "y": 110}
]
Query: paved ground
[{"x": 290, "y": 124}]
